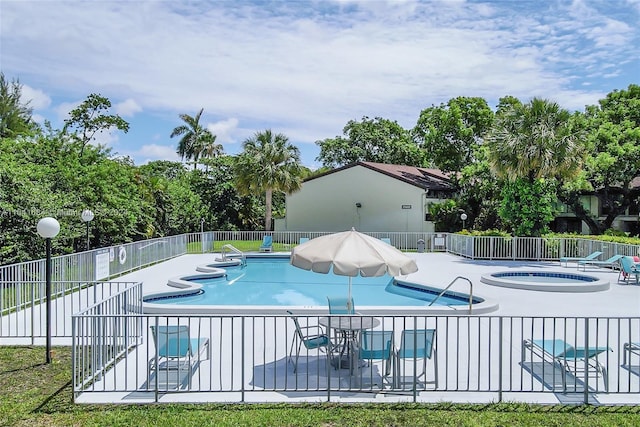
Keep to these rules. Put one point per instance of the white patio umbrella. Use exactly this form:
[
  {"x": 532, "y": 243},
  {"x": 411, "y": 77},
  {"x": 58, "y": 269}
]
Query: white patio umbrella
[{"x": 351, "y": 253}]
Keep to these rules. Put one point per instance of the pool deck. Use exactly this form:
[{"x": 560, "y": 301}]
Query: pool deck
[{"x": 439, "y": 269}]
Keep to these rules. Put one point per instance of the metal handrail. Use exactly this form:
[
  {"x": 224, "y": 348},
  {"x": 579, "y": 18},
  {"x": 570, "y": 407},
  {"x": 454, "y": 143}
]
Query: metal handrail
[
  {"x": 234, "y": 250},
  {"x": 450, "y": 284}
]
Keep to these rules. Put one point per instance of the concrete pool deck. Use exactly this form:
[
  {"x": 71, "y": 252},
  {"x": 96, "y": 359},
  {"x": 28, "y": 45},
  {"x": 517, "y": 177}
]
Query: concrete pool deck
[{"x": 439, "y": 269}]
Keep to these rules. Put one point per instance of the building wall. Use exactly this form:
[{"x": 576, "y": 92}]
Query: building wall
[{"x": 328, "y": 203}]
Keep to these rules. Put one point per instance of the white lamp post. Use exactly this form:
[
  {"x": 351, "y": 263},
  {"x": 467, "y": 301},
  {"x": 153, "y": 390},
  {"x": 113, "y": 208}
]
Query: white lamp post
[
  {"x": 463, "y": 217},
  {"x": 48, "y": 228},
  {"x": 87, "y": 216}
]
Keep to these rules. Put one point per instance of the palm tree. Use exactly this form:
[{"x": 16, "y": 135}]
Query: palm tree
[
  {"x": 533, "y": 141},
  {"x": 194, "y": 137},
  {"x": 210, "y": 150},
  {"x": 531, "y": 146},
  {"x": 268, "y": 163}
]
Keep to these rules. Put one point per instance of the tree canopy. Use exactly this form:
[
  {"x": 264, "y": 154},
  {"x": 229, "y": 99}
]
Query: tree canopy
[
  {"x": 371, "y": 140},
  {"x": 451, "y": 133}
]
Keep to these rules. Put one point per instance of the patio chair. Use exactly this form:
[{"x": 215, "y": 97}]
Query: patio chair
[
  {"x": 592, "y": 256},
  {"x": 415, "y": 344},
  {"x": 629, "y": 349},
  {"x": 312, "y": 337},
  {"x": 628, "y": 268},
  {"x": 267, "y": 244},
  {"x": 176, "y": 350},
  {"x": 377, "y": 345},
  {"x": 613, "y": 262},
  {"x": 386, "y": 240},
  {"x": 568, "y": 358},
  {"x": 340, "y": 305},
  {"x": 303, "y": 240}
]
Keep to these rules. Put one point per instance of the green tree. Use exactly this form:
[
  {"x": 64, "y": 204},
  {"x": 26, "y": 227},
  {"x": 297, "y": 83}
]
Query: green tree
[
  {"x": 195, "y": 140},
  {"x": 479, "y": 193},
  {"x": 15, "y": 115},
  {"x": 613, "y": 135},
  {"x": 268, "y": 163},
  {"x": 91, "y": 118},
  {"x": 371, "y": 140},
  {"x": 451, "y": 133},
  {"x": 530, "y": 145}
]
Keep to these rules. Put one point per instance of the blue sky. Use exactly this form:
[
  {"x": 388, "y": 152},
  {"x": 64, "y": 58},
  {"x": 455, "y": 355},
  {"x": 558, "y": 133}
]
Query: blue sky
[{"x": 305, "y": 68}]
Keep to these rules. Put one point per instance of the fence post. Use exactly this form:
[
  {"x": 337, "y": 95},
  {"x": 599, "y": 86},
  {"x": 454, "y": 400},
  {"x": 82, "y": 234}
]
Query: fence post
[
  {"x": 500, "y": 359},
  {"x": 586, "y": 361},
  {"x": 242, "y": 353}
]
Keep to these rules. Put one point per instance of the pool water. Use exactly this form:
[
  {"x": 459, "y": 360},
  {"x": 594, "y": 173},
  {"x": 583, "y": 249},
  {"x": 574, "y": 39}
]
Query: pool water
[{"x": 275, "y": 282}]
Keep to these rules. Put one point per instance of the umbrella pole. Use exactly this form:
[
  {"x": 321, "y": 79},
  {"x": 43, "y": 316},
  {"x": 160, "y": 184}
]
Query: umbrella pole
[{"x": 349, "y": 308}]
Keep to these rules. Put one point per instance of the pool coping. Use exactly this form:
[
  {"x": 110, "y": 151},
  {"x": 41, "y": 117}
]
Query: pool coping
[{"x": 597, "y": 285}]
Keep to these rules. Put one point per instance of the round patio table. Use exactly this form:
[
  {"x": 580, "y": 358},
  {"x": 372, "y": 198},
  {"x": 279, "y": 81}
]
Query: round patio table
[{"x": 348, "y": 327}]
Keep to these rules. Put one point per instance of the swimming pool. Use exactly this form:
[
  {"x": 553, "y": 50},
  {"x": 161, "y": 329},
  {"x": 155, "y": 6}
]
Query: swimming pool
[
  {"x": 546, "y": 281},
  {"x": 273, "y": 282}
]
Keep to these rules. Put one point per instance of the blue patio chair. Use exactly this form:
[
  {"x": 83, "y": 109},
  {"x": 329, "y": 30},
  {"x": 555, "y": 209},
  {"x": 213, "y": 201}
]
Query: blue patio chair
[
  {"x": 312, "y": 337},
  {"x": 267, "y": 244},
  {"x": 568, "y": 358},
  {"x": 303, "y": 240},
  {"x": 377, "y": 345},
  {"x": 592, "y": 256},
  {"x": 629, "y": 349},
  {"x": 339, "y": 305},
  {"x": 613, "y": 262},
  {"x": 416, "y": 344},
  {"x": 628, "y": 268},
  {"x": 386, "y": 240},
  {"x": 176, "y": 350}
]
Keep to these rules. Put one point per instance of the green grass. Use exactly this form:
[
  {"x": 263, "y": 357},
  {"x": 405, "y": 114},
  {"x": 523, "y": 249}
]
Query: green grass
[
  {"x": 241, "y": 245},
  {"x": 35, "y": 394}
]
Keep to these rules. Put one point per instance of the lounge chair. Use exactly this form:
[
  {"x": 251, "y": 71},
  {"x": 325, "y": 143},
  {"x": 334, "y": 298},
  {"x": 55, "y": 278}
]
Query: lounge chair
[
  {"x": 267, "y": 244},
  {"x": 628, "y": 268},
  {"x": 340, "y": 305},
  {"x": 312, "y": 337},
  {"x": 567, "y": 260},
  {"x": 415, "y": 344},
  {"x": 613, "y": 262},
  {"x": 176, "y": 350},
  {"x": 303, "y": 240},
  {"x": 568, "y": 358},
  {"x": 629, "y": 349},
  {"x": 377, "y": 345}
]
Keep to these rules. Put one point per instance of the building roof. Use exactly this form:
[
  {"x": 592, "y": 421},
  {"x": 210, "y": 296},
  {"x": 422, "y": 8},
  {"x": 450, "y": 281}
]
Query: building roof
[{"x": 424, "y": 178}]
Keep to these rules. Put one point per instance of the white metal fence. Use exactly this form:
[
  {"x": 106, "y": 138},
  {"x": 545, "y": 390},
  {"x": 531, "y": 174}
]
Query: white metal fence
[
  {"x": 24, "y": 309},
  {"x": 22, "y": 285},
  {"x": 533, "y": 248},
  {"x": 248, "y": 355}
]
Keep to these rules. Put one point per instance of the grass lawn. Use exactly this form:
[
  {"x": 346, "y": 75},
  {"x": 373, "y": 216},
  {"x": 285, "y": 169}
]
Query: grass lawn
[{"x": 35, "y": 394}]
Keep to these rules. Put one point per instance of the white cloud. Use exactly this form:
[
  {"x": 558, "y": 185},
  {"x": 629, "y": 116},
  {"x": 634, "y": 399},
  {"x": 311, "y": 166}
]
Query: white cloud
[
  {"x": 224, "y": 129},
  {"x": 307, "y": 68},
  {"x": 63, "y": 109},
  {"x": 151, "y": 152},
  {"x": 37, "y": 99},
  {"x": 127, "y": 108}
]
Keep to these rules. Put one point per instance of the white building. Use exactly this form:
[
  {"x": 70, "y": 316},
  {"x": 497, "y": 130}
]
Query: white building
[{"x": 368, "y": 196}]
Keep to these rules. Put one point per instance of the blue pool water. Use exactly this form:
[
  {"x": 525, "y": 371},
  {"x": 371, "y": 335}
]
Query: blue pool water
[{"x": 276, "y": 282}]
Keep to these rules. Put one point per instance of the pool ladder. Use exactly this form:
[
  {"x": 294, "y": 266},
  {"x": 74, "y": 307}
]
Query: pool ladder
[
  {"x": 237, "y": 252},
  {"x": 450, "y": 284}
]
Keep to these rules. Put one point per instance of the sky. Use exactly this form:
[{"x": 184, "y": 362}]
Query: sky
[{"x": 305, "y": 68}]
